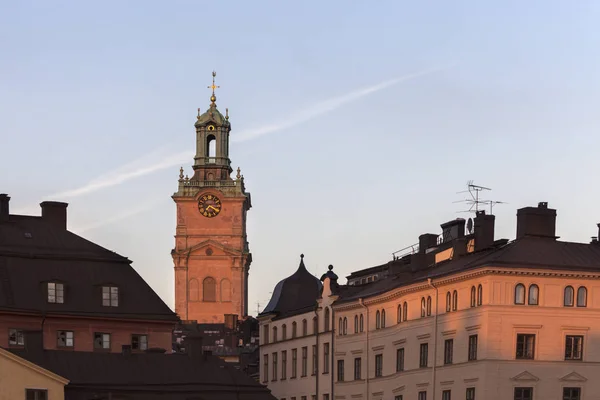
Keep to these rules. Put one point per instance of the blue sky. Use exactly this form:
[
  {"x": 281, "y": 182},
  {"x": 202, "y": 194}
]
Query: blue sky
[{"x": 93, "y": 92}]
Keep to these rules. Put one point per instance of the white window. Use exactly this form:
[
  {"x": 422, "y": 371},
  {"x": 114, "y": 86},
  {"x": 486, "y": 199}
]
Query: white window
[
  {"x": 101, "y": 341},
  {"x": 110, "y": 296},
  {"x": 65, "y": 339},
  {"x": 56, "y": 292},
  {"x": 139, "y": 342}
]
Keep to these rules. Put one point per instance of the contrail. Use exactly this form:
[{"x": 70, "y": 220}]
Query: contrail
[
  {"x": 329, "y": 105},
  {"x": 128, "y": 172},
  {"x": 126, "y": 214}
]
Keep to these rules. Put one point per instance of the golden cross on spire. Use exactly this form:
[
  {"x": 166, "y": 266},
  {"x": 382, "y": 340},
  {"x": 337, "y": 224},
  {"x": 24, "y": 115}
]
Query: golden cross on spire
[{"x": 213, "y": 86}]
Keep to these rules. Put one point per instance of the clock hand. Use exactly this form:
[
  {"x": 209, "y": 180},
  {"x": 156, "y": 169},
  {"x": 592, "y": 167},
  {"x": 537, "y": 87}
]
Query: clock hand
[{"x": 212, "y": 208}]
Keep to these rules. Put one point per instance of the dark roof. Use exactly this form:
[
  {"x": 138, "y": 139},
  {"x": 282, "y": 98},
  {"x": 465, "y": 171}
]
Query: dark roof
[
  {"x": 176, "y": 374},
  {"x": 526, "y": 252},
  {"x": 295, "y": 294},
  {"x": 34, "y": 251}
]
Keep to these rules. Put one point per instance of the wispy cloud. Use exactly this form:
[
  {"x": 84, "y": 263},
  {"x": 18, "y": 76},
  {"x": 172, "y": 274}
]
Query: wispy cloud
[
  {"x": 138, "y": 168},
  {"x": 117, "y": 217}
]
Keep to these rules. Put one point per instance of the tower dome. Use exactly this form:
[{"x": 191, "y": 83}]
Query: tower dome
[{"x": 295, "y": 294}]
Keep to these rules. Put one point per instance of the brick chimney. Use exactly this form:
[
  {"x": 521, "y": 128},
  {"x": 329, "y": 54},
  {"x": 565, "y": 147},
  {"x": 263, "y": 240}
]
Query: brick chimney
[
  {"x": 484, "y": 230},
  {"x": 427, "y": 241},
  {"x": 537, "y": 221},
  {"x": 193, "y": 345},
  {"x": 454, "y": 229},
  {"x": 4, "y": 207},
  {"x": 55, "y": 213}
]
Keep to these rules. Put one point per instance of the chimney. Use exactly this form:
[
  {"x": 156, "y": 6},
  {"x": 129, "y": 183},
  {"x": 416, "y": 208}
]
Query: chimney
[
  {"x": 4, "y": 207},
  {"x": 55, "y": 213},
  {"x": 484, "y": 230},
  {"x": 193, "y": 345},
  {"x": 459, "y": 247},
  {"x": 126, "y": 349},
  {"x": 537, "y": 221},
  {"x": 427, "y": 241},
  {"x": 454, "y": 229}
]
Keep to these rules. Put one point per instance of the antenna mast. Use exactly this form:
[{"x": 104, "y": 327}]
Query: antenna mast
[{"x": 475, "y": 202}]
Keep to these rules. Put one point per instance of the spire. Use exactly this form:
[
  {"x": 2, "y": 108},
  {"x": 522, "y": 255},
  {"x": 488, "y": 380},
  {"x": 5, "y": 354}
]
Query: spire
[
  {"x": 213, "y": 98},
  {"x": 301, "y": 266}
]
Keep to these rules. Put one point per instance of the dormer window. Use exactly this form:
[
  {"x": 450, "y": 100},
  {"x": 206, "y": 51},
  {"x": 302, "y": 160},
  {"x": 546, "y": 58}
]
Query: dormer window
[
  {"x": 110, "y": 296},
  {"x": 56, "y": 293}
]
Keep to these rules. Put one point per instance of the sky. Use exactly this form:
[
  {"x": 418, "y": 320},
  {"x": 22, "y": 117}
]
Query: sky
[{"x": 354, "y": 123}]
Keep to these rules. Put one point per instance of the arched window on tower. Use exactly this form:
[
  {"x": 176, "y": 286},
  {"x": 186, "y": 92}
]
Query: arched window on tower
[
  {"x": 362, "y": 323},
  {"x": 534, "y": 294},
  {"x": 454, "y": 300},
  {"x": 383, "y": 318},
  {"x": 448, "y": 302},
  {"x": 209, "y": 289},
  {"x": 582, "y": 297},
  {"x": 211, "y": 147},
  {"x": 377, "y": 319},
  {"x": 340, "y": 326},
  {"x": 326, "y": 321},
  {"x": 569, "y": 295},
  {"x": 423, "y": 309},
  {"x": 345, "y": 326},
  {"x": 428, "y": 305},
  {"x": 473, "y": 296},
  {"x": 399, "y": 314},
  {"x": 356, "y": 324},
  {"x": 520, "y": 294},
  {"x": 479, "y": 295},
  {"x": 194, "y": 289},
  {"x": 405, "y": 311},
  {"x": 225, "y": 290}
]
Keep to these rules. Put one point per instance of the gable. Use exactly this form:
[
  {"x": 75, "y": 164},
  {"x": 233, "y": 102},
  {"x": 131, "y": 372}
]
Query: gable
[
  {"x": 573, "y": 377},
  {"x": 211, "y": 248},
  {"x": 12, "y": 365},
  {"x": 525, "y": 376}
]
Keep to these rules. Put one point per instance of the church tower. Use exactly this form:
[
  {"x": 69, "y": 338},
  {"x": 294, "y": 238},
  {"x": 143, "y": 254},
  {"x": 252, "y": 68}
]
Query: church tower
[{"x": 211, "y": 254}]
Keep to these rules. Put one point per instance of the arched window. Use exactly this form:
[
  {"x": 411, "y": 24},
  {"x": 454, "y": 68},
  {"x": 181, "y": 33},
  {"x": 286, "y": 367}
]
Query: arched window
[
  {"x": 304, "y": 327},
  {"x": 283, "y": 332},
  {"x": 326, "y": 321},
  {"x": 479, "y": 295},
  {"x": 399, "y": 313},
  {"x": 383, "y": 318},
  {"x": 405, "y": 312},
  {"x": 340, "y": 327},
  {"x": 520, "y": 294},
  {"x": 211, "y": 146},
  {"x": 345, "y": 326},
  {"x": 569, "y": 296},
  {"x": 473, "y": 296},
  {"x": 209, "y": 289},
  {"x": 582, "y": 297},
  {"x": 225, "y": 290},
  {"x": 428, "y": 305},
  {"x": 377, "y": 320},
  {"x": 454, "y": 300},
  {"x": 274, "y": 334},
  {"x": 423, "y": 308},
  {"x": 448, "y": 302},
  {"x": 194, "y": 290},
  {"x": 316, "y": 325},
  {"x": 356, "y": 324},
  {"x": 294, "y": 330},
  {"x": 534, "y": 294},
  {"x": 362, "y": 323}
]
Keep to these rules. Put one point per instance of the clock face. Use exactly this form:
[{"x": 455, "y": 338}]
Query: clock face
[{"x": 209, "y": 205}]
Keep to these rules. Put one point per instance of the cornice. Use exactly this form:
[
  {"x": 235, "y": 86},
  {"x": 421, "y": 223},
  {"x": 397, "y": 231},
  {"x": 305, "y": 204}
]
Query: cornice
[{"x": 459, "y": 277}]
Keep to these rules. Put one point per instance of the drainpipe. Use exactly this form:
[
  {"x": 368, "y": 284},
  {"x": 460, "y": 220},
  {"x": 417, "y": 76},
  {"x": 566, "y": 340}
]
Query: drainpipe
[
  {"x": 332, "y": 353},
  {"x": 317, "y": 355},
  {"x": 360, "y": 301},
  {"x": 435, "y": 329}
]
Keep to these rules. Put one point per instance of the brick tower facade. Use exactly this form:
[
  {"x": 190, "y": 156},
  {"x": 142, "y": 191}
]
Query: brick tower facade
[{"x": 211, "y": 255}]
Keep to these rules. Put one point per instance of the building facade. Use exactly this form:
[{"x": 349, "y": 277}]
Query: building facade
[
  {"x": 211, "y": 255},
  {"x": 465, "y": 316},
  {"x": 82, "y": 296}
]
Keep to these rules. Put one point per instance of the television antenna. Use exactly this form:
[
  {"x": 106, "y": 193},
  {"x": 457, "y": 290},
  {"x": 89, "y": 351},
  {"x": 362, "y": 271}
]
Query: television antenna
[{"x": 474, "y": 202}]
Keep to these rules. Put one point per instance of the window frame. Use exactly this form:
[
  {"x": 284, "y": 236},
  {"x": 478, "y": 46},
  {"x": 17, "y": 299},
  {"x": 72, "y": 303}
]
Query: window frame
[
  {"x": 572, "y": 291},
  {"x": 448, "y": 351},
  {"x": 340, "y": 370},
  {"x": 35, "y": 394},
  {"x": 19, "y": 334},
  {"x": 585, "y": 292},
  {"x": 428, "y": 306},
  {"x": 111, "y": 297},
  {"x": 479, "y": 295},
  {"x": 423, "y": 307},
  {"x": 455, "y": 300},
  {"x": 524, "y": 350},
  {"x": 405, "y": 311},
  {"x": 448, "y": 302},
  {"x": 473, "y": 300},
  {"x": 400, "y": 354},
  {"x": 423, "y": 355},
  {"x": 574, "y": 339},
  {"x": 294, "y": 373},
  {"x": 570, "y": 395},
  {"x": 109, "y": 348},
  {"x": 357, "y": 371},
  {"x": 66, "y": 345},
  {"x": 58, "y": 287},
  {"x": 378, "y": 365},
  {"x": 472, "y": 347},
  {"x": 520, "y": 286},
  {"x": 521, "y": 397},
  {"x": 533, "y": 288}
]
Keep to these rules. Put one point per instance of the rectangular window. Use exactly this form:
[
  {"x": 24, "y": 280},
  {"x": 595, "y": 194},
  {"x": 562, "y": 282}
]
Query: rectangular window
[
  {"x": 423, "y": 355},
  {"x": 265, "y": 368},
  {"x": 525, "y": 346},
  {"x": 523, "y": 393},
  {"x": 448, "y": 349},
  {"x": 340, "y": 370},
  {"x": 315, "y": 357},
  {"x": 326, "y": 397},
  {"x": 101, "y": 341},
  {"x": 400, "y": 359},
  {"x": 303, "y": 398},
  {"x": 265, "y": 338},
  {"x": 357, "y": 368},
  {"x": 399, "y": 397},
  {"x": 274, "y": 360},
  {"x": 574, "y": 348},
  {"x": 326, "y": 358},
  {"x": 422, "y": 395},
  {"x": 56, "y": 293},
  {"x": 470, "y": 394},
  {"x": 446, "y": 395},
  {"x": 284, "y": 364},
  {"x": 294, "y": 362},
  {"x": 139, "y": 342},
  {"x": 65, "y": 339},
  {"x": 16, "y": 337},
  {"x": 36, "y": 394},
  {"x": 472, "y": 347},
  {"x": 304, "y": 361},
  {"x": 110, "y": 296},
  {"x": 571, "y": 394},
  {"x": 379, "y": 365}
]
